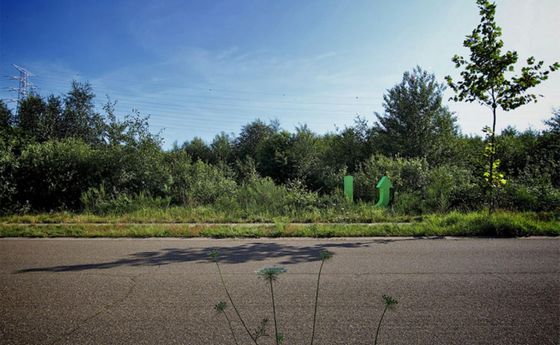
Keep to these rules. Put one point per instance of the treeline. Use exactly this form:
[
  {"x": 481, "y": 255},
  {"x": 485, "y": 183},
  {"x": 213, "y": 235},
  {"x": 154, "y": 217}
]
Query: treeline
[{"x": 60, "y": 153}]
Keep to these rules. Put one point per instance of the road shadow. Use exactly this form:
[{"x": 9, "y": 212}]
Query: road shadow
[{"x": 256, "y": 251}]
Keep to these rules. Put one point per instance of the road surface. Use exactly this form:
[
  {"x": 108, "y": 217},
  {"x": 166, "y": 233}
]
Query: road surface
[{"x": 161, "y": 291}]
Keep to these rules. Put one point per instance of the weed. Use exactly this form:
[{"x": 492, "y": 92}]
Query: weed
[
  {"x": 389, "y": 302},
  {"x": 220, "y": 307},
  {"x": 214, "y": 256},
  {"x": 324, "y": 255},
  {"x": 270, "y": 274}
]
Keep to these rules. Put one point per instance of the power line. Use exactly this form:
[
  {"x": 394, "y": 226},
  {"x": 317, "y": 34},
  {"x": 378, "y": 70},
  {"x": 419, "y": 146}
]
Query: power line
[
  {"x": 209, "y": 89},
  {"x": 195, "y": 106},
  {"x": 186, "y": 108},
  {"x": 220, "y": 94}
]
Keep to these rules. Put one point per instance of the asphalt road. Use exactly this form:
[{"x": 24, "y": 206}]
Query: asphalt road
[{"x": 161, "y": 291}]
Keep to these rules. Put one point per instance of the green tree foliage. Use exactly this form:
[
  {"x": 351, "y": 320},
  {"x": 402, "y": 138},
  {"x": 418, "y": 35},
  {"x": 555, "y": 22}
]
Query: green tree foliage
[
  {"x": 272, "y": 157},
  {"x": 79, "y": 119},
  {"x": 516, "y": 150},
  {"x": 31, "y": 112},
  {"x": 6, "y": 117},
  {"x": 415, "y": 123},
  {"x": 252, "y": 136},
  {"x": 40, "y": 120},
  {"x": 486, "y": 78},
  {"x": 117, "y": 165},
  {"x": 54, "y": 174},
  {"x": 306, "y": 149},
  {"x": 198, "y": 150},
  {"x": 8, "y": 170},
  {"x": 409, "y": 175},
  {"x": 222, "y": 149},
  {"x": 345, "y": 150},
  {"x": 132, "y": 130},
  {"x": 553, "y": 123},
  {"x": 52, "y": 121},
  {"x": 205, "y": 184},
  {"x": 548, "y": 148}
]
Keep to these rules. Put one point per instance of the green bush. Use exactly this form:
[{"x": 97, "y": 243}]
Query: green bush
[
  {"x": 261, "y": 198},
  {"x": 408, "y": 175},
  {"x": 408, "y": 203},
  {"x": 8, "y": 186},
  {"x": 451, "y": 187},
  {"x": 135, "y": 169},
  {"x": 204, "y": 184},
  {"x": 501, "y": 224},
  {"x": 98, "y": 201},
  {"x": 536, "y": 194},
  {"x": 299, "y": 198},
  {"x": 54, "y": 174},
  {"x": 199, "y": 183}
]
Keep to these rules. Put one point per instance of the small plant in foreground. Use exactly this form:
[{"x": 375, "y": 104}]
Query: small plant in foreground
[
  {"x": 220, "y": 307},
  {"x": 270, "y": 274},
  {"x": 324, "y": 255},
  {"x": 389, "y": 302},
  {"x": 261, "y": 330},
  {"x": 214, "y": 255}
]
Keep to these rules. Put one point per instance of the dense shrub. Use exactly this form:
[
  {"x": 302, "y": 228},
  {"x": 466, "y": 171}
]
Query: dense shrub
[
  {"x": 60, "y": 153},
  {"x": 204, "y": 184},
  {"x": 134, "y": 169},
  {"x": 261, "y": 196},
  {"x": 451, "y": 187},
  {"x": 198, "y": 183},
  {"x": 54, "y": 174},
  {"x": 98, "y": 201},
  {"x": 408, "y": 203},
  {"x": 8, "y": 169},
  {"x": 408, "y": 176},
  {"x": 531, "y": 191}
]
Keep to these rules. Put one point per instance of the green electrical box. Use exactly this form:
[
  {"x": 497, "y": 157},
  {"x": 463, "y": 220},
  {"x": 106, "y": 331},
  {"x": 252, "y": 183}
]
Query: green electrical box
[{"x": 349, "y": 188}]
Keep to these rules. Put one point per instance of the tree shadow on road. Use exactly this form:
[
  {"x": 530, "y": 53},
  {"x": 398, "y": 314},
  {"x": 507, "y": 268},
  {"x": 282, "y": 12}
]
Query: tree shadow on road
[{"x": 256, "y": 251}]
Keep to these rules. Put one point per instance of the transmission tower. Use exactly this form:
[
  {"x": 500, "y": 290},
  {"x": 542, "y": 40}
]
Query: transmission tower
[{"x": 24, "y": 85}]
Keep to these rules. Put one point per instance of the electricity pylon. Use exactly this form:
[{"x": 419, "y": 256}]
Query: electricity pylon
[{"x": 24, "y": 85}]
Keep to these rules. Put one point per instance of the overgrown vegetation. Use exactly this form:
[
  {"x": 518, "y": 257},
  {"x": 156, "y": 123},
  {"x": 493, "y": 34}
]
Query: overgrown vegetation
[
  {"x": 487, "y": 78},
  {"x": 503, "y": 224},
  {"x": 124, "y": 170},
  {"x": 60, "y": 155}
]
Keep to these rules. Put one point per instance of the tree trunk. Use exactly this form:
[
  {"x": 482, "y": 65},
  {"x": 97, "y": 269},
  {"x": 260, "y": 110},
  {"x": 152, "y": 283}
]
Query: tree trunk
[{"x": 492, "y": 205}]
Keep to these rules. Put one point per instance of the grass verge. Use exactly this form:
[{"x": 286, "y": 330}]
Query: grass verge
[
  {"x": 501, "y": 224},
  {"x": 360, "y": 212}
]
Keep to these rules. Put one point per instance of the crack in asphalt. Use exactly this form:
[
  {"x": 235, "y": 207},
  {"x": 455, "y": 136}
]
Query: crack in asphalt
[{"x": 100, "y": 311}]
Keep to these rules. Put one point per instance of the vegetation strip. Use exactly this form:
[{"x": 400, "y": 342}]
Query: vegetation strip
[
  {"x": 82, "y": 165},
  {"x": 202, "y": 224},
  {"x": 505, "y": 224}
]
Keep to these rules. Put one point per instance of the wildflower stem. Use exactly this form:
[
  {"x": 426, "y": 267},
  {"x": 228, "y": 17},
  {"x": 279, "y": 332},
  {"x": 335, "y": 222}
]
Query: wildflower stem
[
  {"x": 233, "y": 304},
  {"x": 379, "y": 325},
  {"x": 274, "y": 312},
  {"x": 316, "y": 300},
  {"x": 231, "y": 329}
]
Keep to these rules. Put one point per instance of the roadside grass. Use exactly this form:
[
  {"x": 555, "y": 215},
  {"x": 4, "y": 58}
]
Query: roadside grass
[
  {"x": 500, "y": 224},
  {"x": 360, "y": 212}
]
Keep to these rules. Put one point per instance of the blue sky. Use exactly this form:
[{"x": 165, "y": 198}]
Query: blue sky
[{"x": 203, "y": 67}]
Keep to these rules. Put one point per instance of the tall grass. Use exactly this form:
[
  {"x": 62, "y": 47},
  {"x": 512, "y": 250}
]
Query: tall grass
[
  {"x": 500, "y": 224},
  {"x": 359, "y": 212}
]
